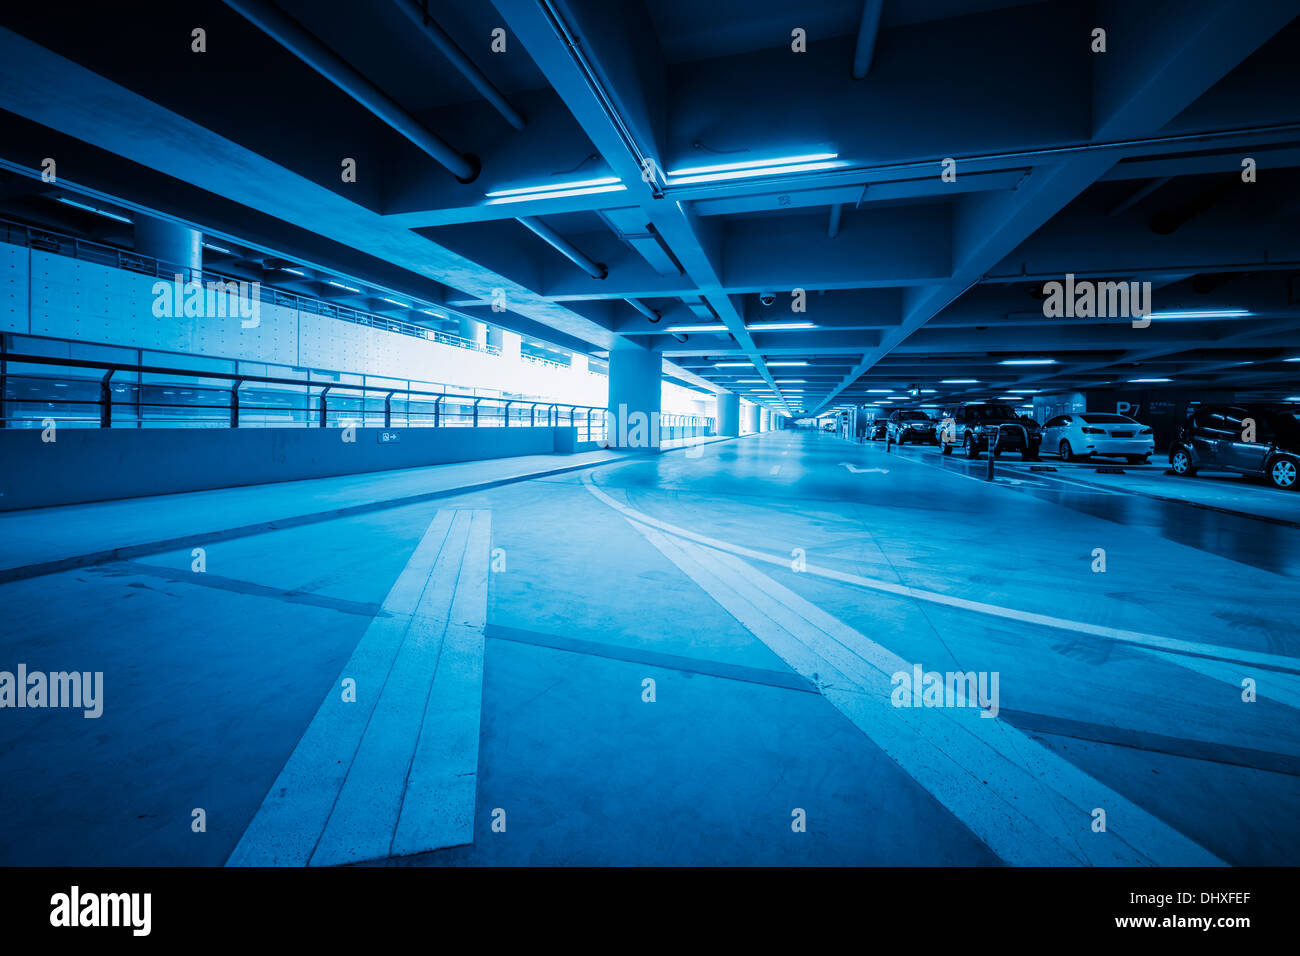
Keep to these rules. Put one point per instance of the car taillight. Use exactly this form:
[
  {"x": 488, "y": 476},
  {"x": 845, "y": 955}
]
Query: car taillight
[
  {"x": 1093, "y": 431},
  {"x": 1144, "y": 431}
]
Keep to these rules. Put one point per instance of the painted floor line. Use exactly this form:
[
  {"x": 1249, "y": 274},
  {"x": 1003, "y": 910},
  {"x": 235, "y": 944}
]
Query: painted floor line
[
  {"x": 394, "y": 769},
  {"x": 1027, "y": 804},
  {"x": 288, "y": 824},
  {"x": 1156, "y": 641}
]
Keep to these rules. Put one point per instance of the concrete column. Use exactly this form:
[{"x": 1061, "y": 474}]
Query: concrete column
[
  {"x": 728, "y": 414},
  {"x": 635, "y": 388},
  {"x": 765, "y": 420},
  {"x": 750, "y": 418},
  {"x": 493, "y": 336},
  {"x": 510, "y": 342},
  {"x": 474, "y": 331},
  {"x": 171, "y": 242}
]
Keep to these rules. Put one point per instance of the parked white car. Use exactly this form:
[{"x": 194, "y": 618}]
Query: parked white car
[{"x": 1080, "y": 435}]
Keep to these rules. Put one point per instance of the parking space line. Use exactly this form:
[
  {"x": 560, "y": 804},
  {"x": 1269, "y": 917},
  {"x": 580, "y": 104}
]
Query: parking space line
[{"x": 1027, "y": 804}]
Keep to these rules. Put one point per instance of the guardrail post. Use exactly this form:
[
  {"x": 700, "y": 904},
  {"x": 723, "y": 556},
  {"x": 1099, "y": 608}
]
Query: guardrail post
[
  {"x": 475, "y": 411},
  {"x": 106, "y": 401},
  {"x": 437, "y": 411},
  {"x": 324, "y": 406},
  {"x": 992, "y": 452},
  {"x": 388, "y": 410},
  {"x": 590, "y": 412},
  {"x": 507, "y": 414},
  {"x": 234, "y": 402}
]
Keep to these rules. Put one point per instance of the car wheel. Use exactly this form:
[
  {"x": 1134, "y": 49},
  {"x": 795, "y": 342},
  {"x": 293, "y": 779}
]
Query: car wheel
[
  {"x": 1282, "y": 473},
  {"x": 1181, "y": 463},
  {"x": 1067, "y": 453},
  {"x": 971, "y": 451},
  {"x": 1138, "y": 459}
]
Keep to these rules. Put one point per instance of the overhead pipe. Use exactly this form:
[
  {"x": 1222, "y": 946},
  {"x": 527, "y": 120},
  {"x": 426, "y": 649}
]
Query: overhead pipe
[
  {"x": 644, "y": 309},
  {"x": 564, "y": 247},
  {"x": 833, "y": 228},
  {"x": 293, "y": 37},
  {"x": 868, "y": 28},
  {"x": 418, "y": 12}
]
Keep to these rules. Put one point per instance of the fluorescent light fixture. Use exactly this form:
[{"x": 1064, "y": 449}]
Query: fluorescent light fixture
[
  {"x": 400, "y": 305},
  {"x": 1296, "y": 359},
  {"x": 1202, "y": 314},
  {"x": 733, "y": 364},
  {"x": 215, "y": 248},
  {"x": 791, "y": 381},
  {"x": 1148, "y": 381},
  {"x": 754, "y": 167},
  {"x": 751, "y": 173},
  {"x": 436, "y": 315},
  {"x": 557, "y": 194},
  {"x": 960, "y": 381},
  {"x": 1293, "y": 398},
  {"x": 880, "y": 391},
  {"x": 745, "y": 381},
  {"x": 696, "y": 328},
  {"x": 777, "y": 326},
  {"x": 1037, "y": 361},
  {"x": 1022, "y": 391},
  {"x": 297, "y": 272},
  {"x": 552, "y": 187},
  {"x": 98, "y": 212},
  {"x": 340, "y": 285},
  {"x": 792, "y": 364},
  {"x": 928, "y": 391}
]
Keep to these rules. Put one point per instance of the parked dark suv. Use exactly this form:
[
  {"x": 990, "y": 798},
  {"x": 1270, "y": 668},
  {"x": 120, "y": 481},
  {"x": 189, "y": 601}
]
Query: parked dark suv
[
  {"x": 910, "y": 424},
  {"x": 1257, "y": 440},
  {"x": 973, "y": 426},
  {"x": 876, "y": 427}
]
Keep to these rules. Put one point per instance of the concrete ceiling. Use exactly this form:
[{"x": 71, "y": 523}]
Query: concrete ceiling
[{"x": 1117, "y": 166}]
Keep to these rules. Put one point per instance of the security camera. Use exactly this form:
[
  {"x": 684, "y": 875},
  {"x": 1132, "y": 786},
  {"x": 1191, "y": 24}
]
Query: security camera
[{"x": 767, "y": 298}]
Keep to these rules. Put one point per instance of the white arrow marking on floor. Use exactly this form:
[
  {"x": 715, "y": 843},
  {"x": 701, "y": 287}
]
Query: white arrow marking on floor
[
  {"x": 1030, "y": 806},
  {"x": 864, "y": 471}
]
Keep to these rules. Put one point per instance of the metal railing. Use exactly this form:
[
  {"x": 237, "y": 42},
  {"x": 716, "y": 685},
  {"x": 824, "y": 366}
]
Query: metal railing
[
  {"x": 20, "y": 234},
  {"x": 126, "y": 395}
]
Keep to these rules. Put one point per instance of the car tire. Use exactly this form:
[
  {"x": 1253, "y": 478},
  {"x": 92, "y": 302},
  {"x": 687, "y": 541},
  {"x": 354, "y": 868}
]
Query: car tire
[
  {"x": 1067, "y": 453},
  {"x": 971, "y": 450},
  {"x": 1284, "y": 473},
  {"x": 1138, "y": 459},
  {"x": 945, "y": 448},
  {"x": 1181, "y": 463}
]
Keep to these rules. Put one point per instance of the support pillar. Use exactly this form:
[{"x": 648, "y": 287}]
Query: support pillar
[
  {"x": 635, "y": 389},
  {"x": 765, "y": 420},
  {"x": 728, "y": 414},
  {"x": 473, "y": 331},
  {"x": 750, "y": 418},
  {"x": 176, "y": 245}
]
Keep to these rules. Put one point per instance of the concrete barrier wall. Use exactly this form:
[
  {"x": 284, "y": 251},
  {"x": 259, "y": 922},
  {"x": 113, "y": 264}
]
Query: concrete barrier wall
[{"x": 93, "y": 464}]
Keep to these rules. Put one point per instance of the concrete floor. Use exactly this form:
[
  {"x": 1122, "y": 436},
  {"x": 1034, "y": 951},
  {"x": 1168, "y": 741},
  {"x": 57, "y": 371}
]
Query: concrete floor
[{"x": 1118, "y": 690}]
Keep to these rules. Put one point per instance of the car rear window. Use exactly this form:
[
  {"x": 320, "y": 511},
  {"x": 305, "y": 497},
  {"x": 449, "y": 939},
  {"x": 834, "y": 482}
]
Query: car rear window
[{"x": 1093, "y": 418}]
